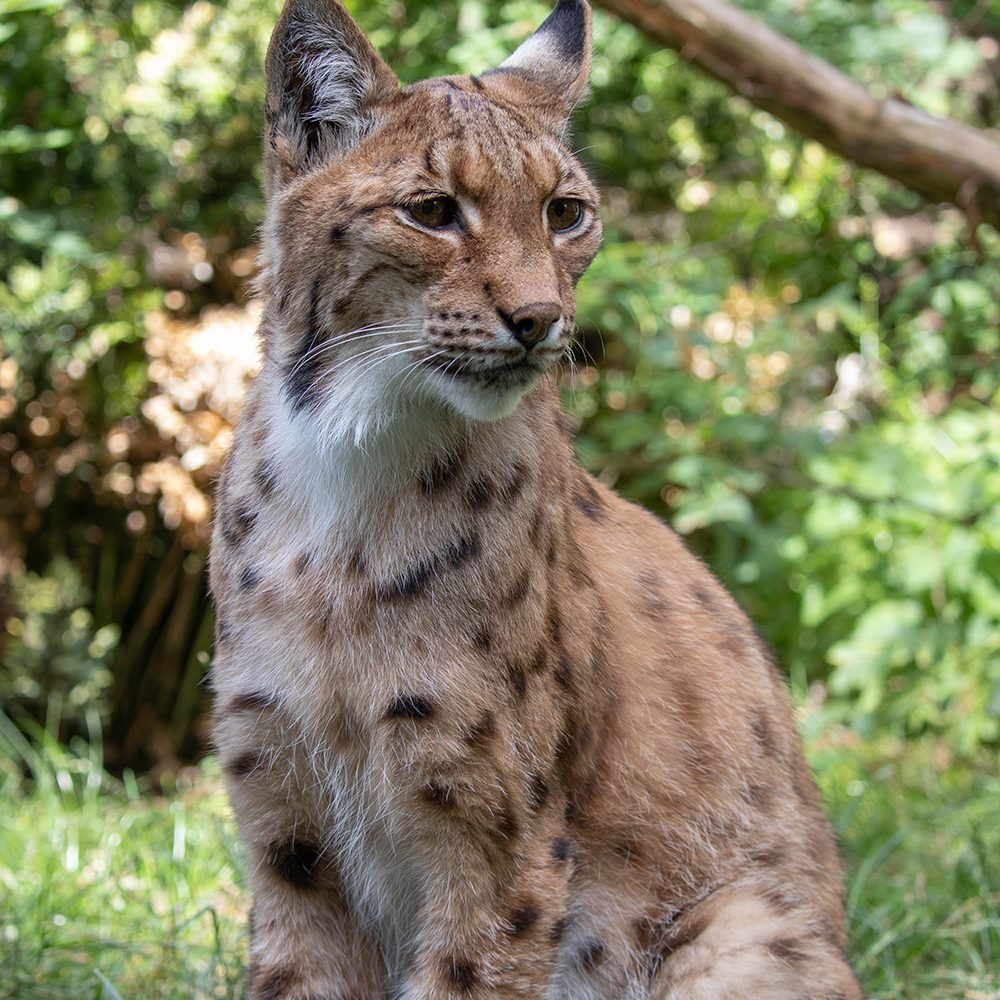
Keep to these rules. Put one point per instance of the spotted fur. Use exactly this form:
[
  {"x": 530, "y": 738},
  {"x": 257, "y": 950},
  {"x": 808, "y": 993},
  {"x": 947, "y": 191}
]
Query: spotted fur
[{"x": 489, "y": 731}]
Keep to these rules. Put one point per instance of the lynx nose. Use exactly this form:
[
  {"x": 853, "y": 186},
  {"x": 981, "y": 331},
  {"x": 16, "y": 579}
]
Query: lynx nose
[{"x": 531, "y": 324}]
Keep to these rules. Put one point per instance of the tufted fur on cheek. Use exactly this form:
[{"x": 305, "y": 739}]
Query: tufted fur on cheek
[
  {"x": 550, "y": 71},
  {"x": 324, "y": 81}
]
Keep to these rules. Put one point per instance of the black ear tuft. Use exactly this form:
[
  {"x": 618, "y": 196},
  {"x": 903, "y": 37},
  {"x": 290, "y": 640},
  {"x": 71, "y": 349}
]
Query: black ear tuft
[
  {"x": 324, "y": 80},
  {"x": 554, "y": 62},
  {"x": 568, "y": 25}
]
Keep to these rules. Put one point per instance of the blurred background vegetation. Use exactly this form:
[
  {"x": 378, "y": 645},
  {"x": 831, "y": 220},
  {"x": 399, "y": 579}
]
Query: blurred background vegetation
[{"x": 795, "y": 361}]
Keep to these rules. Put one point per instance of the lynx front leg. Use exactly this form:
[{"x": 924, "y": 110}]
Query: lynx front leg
[
  {"x": 742, "y": 946},
  {"x": 482, "y": 937},
  {"x": 496, "y": 886},
  {"x": 305, "y": 941}
]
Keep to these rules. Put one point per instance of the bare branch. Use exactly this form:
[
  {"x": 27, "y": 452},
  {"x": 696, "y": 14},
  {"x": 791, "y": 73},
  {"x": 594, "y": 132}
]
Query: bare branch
[{"x": 941, "y": 159}]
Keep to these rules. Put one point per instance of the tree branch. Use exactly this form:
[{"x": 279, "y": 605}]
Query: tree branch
[{"x": 941, "y": 159}]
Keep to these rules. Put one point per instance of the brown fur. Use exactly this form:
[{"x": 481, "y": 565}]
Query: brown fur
[{"x": 489, "y": 730}]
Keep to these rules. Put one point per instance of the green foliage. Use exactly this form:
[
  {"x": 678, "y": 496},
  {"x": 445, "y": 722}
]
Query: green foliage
[
  {"x": 55, "y": 662},
  {"x": 797, "y": 361}
]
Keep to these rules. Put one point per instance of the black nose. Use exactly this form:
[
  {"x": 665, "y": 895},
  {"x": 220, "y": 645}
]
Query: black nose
[{"x": 531, "y": 324}]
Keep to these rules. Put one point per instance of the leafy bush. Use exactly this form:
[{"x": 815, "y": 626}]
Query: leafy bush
[{"x": 55, "y": 662}]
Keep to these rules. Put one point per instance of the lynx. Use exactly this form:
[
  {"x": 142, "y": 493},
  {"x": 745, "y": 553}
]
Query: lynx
[{"x": 489, "y": 731}]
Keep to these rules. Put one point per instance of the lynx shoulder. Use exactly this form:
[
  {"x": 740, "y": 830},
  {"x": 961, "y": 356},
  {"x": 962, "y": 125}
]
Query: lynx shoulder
[{"x": 489, "y": 731}]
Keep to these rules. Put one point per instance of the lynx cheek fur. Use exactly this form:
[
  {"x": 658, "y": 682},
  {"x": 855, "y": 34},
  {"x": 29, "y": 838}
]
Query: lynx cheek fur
[{"x": 489, "y": 731}]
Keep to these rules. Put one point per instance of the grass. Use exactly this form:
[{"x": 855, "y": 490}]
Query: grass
[{"x": 107, "y": 892}]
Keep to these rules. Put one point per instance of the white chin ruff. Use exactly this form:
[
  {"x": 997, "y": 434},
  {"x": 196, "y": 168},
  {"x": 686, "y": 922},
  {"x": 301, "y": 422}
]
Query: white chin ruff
[{"x": 475, "y": 402}]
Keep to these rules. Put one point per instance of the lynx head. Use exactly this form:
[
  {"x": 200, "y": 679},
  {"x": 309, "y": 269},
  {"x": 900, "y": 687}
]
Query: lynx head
[{"x": 422, "y": 242}]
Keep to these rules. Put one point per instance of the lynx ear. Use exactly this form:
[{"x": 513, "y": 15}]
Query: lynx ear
[
  {"x": 323, "y": 82},
  {"x": 551, "y": 68}
]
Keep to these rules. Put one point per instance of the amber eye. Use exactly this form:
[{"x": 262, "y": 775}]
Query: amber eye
[
  {"x": 434, "y": 213},
  {"x": 564, "y": 214}
]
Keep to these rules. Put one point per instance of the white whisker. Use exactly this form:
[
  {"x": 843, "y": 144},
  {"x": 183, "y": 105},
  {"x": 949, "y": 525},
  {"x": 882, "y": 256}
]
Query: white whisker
[
  {"x": 377, "y": 329},
  {"x": 327, "y": 373}
]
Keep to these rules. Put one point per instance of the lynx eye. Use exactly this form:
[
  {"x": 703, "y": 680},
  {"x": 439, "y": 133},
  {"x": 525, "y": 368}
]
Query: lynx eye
[
  {"x": 564, "y": 214},
  {"x": 434, "y": 213}
]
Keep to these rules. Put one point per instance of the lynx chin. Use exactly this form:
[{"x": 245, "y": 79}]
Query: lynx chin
[{"x": 489, "y": 731}]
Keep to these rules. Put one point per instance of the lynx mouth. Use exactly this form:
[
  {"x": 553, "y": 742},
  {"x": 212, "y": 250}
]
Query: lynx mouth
[{"x": 504, "y": 376}]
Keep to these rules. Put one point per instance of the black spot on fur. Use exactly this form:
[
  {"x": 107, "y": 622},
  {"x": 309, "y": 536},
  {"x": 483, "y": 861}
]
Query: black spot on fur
[
  {"x": 483, "y": 732},
  {"x": 517, "y": 679},
  {"x": 572, "y": 811},
  {"x": 519, "y": 591},
  {"x": 461, "y": 974},
  {"x": 423, "y": 573},
  {"x": 410, "y": 706},
  {"x": 706, "y": 599},
  {"x": 441, "y": 473},
  {"x": 479, "y": 493},
  {"x": 591, "y": 954},
  {"x": 415, "y": 580},
  {"x": 564, "y": 672},
  {"x": 295, "y": 862},
  {"x": 652, "y": 599},
  {"x": 507, "y": 824},
  {"x": 554, "y": 625},
  {"x": 271, "y": 984},
  {"x": 561, "y": 848},
  {"x": 249, "y": 579},
  {"x": 511, "y": 489},
  {"x": 789, "y": 951},
  {"x": 304, "y": 365},
  {"x": 538, "y": 791},
  {"x": 535, "y": 529},
  {"x": 242, "y": 765},
  {"x": 348, "y": 297},
  {"x": 540, "y": 659},
  {"x": 337, "y": 233},
  {"x": 438, "y": 794},
  {"x": 522, "y": 918},
  {"x": 250, "y": 701},
  {"x": 588, "y": 500},
  {"x": 462, "y": 550},
  {"x": 769, "y": 856},
  {"x": 779, "y": 899},
  {"x": 763, "y": 732},
  {"x": 356, "y": 564},
  {"x": 483, "y": 641},
  {"x": 223, "y": 632},
  {"x": 266, "y": 478},
  {"x": 577, "y": 565},
  {"x": 477, "y": 83},
  {"x": 558, "y": 930},
  {"x": 238, "y": 523}
]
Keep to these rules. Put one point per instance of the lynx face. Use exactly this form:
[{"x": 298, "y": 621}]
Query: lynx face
[{"x": 428, "y": 238}]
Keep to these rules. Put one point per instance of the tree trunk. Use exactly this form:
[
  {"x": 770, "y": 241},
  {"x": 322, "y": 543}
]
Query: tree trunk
[{"x": 942, "y": 160}]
